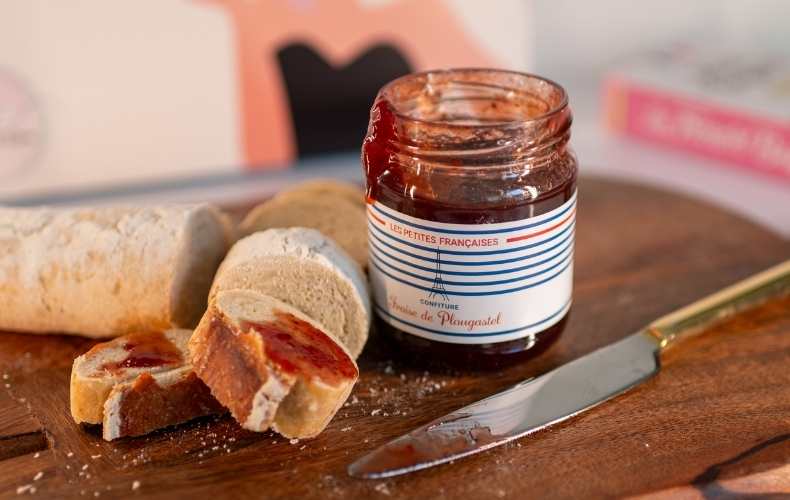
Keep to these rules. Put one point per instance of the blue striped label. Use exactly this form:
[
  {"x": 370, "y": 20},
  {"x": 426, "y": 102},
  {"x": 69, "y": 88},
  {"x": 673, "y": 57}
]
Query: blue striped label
[{"x": 471, "y": 283}]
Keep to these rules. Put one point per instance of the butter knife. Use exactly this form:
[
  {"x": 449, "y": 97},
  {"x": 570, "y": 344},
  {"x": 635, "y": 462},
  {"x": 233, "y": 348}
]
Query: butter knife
[{"x": 560, "y": 394}]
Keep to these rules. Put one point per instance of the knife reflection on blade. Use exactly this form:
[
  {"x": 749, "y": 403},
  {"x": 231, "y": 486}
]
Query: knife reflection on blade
[{"x": 560, "y": 394}]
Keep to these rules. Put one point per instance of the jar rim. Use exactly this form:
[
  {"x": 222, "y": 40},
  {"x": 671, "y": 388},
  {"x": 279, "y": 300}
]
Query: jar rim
[{"x": 557, "y": 108}]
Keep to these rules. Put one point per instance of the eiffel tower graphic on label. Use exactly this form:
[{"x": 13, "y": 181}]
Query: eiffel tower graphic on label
[{"x": 438, "y": 282}]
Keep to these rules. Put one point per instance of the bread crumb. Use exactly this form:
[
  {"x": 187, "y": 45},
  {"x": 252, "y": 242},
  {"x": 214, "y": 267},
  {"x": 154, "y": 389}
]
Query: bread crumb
[
  {"x": 5, "y": 376},
  {"x": 302, "y": 447},
  {"x": 38, "y": 475},
  {"x": 84, "y": 466},
  {"x": 375, "y": 412},
  {"x": 135, "y": 485},
  {"x": 293, "y": 441},
  {"x": 8, "y": 386},
  {"x": 382, "y": 488},
  {"x": 24, "y": 489},
  {"x": 345, "y": 429},
  {"x": 37, "y": 455},
  {"x": 94, "y": 457}
]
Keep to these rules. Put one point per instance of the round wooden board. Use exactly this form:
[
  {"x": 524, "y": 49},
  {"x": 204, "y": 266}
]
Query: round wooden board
[{"x": 719, "y": 410}]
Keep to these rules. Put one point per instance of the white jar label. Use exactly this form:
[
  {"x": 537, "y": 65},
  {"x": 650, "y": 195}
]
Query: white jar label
[{"x": 471, "y": 283}]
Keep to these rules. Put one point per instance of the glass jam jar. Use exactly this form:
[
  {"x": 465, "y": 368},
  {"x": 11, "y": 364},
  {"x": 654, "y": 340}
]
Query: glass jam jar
[{"x": 471, "y": 189}]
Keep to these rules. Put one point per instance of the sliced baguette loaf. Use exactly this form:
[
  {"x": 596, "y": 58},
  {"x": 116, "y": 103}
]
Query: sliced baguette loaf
[
  {"x": 270, "y": 364},
  {"x": 138, "y": 383},
  {"x": 106, "y": 272},
  {"x": 307, "y": 271},
  {"x": 334, "y": 215}
]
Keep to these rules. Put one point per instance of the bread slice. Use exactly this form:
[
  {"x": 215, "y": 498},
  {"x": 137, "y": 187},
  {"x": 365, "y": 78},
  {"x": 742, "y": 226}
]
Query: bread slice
[
  {"x": 138, "y": 383},
  {"x": 331, "y": 188},
  {"x": 335, "y": 216},
  {"x": 104, "y": 272},
  {"x": 307, "y": 271},
  {"x": 270, "y": 364}
]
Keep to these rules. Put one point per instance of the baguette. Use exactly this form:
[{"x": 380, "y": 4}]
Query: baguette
[
  {"x": 108, "y": 271},
  {"x": 307, "y": 271},
  {"x": 138, "y": 383},
  {"x": 270, "y": 364},
  {"x": 334, "y": 215}
]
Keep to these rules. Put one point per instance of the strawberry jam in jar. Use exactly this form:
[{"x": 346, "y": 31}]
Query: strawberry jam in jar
[{"x": 471, "y": 190}]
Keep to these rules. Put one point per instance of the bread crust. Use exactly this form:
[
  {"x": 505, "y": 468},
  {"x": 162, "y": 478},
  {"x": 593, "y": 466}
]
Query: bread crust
[
  {"x": 309, "y": 407},
  {"x": 105, "y": 272},
  {"x": 233, "y": 365},
  {"x": 152, "y": 402},
  {"x": 306, "y": 270}
]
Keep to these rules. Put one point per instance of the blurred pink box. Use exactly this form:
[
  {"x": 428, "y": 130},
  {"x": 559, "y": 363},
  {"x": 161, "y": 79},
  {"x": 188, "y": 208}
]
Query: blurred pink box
[{"x": 724, "y": 105}]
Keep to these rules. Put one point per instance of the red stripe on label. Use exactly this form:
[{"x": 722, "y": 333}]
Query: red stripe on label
[
  {"x": 375, "y": 217},
  {"x": 542, "y": 231}
]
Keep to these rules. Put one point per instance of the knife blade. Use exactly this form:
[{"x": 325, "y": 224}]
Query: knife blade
[{"x": 566, "y": 391}]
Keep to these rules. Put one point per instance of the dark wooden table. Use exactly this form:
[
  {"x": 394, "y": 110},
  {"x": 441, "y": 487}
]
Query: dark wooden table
[{"x": 715, "y": 422}]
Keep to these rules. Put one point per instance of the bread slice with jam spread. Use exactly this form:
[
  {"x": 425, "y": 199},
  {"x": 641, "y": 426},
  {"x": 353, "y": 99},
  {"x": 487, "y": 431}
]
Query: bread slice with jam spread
[
  {"x": 270, "y": 364},
  {"x": 138, "y": 383}
]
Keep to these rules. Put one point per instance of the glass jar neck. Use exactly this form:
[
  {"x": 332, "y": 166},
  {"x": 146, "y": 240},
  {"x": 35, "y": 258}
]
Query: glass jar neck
[{"x": 471, "y": 117}]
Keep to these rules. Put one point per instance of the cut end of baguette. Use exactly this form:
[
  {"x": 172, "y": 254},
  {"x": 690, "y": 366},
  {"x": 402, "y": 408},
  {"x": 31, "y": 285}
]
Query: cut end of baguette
[
  {"x": 270, "y": 364},
  {"x": 209, "y": 234}
]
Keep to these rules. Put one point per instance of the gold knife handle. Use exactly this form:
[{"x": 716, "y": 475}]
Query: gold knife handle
[{"x": 692, "y": 319}]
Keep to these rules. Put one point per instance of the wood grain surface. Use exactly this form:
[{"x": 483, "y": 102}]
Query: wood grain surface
[{"x": 714, "y": 424}]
